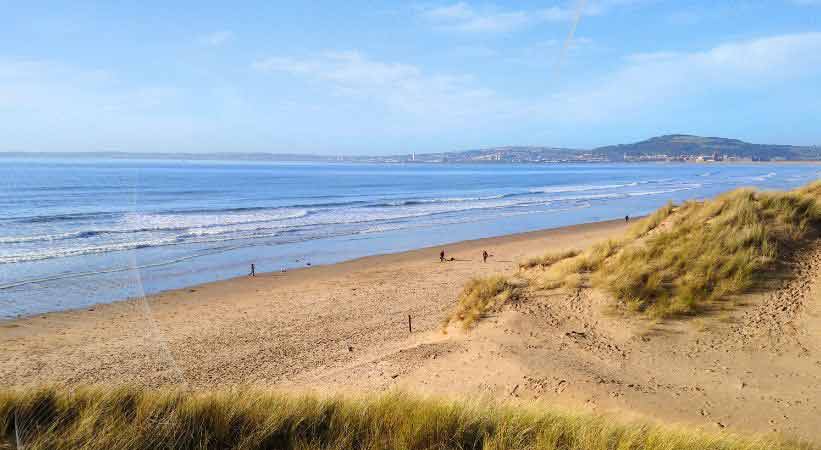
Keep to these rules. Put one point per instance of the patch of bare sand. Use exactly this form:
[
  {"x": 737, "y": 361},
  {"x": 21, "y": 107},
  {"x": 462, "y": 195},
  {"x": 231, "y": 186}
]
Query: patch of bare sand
[{"x": 752, "y": 365}]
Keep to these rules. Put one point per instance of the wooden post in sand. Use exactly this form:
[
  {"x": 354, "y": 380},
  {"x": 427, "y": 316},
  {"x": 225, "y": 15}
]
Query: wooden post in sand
[{"x": 410, "y": 327}]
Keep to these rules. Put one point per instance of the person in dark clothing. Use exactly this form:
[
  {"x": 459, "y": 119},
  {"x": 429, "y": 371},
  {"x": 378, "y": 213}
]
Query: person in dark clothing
[
  {"x": 626, "y": 219},
  {"x": 442, "y": 256},
  {"x": 484, "y": 256}
]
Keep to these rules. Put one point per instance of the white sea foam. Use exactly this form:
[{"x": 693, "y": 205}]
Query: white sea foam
[
  {"x": 579, "y": 188},
  {"x": 140, "y": 230},
  {"x": 765, "y": 177},
  {"x": 169, "y": 222},
  {"x": 45, "y": 237}
]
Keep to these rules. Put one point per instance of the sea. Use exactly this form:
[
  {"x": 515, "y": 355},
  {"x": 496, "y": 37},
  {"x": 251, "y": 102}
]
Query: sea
[{"x": 76, "y": 232}]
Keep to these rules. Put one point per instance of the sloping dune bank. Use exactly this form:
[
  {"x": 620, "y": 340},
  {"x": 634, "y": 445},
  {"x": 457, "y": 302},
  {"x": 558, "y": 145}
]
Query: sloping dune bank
[{"x": 375, "y": 324}]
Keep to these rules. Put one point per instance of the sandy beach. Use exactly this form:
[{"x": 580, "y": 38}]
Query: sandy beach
[{"x": 752, "y": 367}]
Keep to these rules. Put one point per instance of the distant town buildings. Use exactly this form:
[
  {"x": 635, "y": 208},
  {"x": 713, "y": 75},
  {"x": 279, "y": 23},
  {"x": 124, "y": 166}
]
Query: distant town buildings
[
  {"x": 715, "y": 156},
  {"x": 538, "y": 156}
]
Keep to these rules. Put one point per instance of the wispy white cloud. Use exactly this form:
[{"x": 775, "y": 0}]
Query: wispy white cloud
[
  {"x": 360, "y": 90},
  {"x": 652, "y": 80},
  {"x": 644, "y": 83},
  {"x": 463, "y": 16},
  {"x": 216, "y": 38},
  {"x": 401, "y": 87}
]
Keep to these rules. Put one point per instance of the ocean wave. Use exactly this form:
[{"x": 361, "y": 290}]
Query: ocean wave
[
  {"x": 425, "y": 201},
  {"x": 765, "y": 177},
  {"x": 62, "y": 276},
  {"x": 261, "y": 208},
  {"x": 580, "y": 188},
  {"x": 172, "y": 222},
  {"x": 664, "y": 191},
  {"x": 64, "y": 252},
  {"x": 137, "y": 230},
  {"x": 588, "y": 197},
  {"x": 222, "y": 233},
  {"x": 248, "y": 222},
  {"x": 99, "y": 216},
  {"x": 47, "y": 237},
  {"x": 75, "y": 251},
  {"x": 158, "y": 223},
  {"x": 61, "y": 217},
  {"x": 382, "y": 229}
]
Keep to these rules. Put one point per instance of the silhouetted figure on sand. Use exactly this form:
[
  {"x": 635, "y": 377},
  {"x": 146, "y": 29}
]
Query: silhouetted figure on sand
[
  {"x": 626, "y": 219},
  {"x": 442, "y": 256},
  {"x": 484, "y": 256}
]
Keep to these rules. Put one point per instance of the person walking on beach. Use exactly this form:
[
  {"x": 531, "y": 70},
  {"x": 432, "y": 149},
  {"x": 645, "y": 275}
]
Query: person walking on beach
[
  {"x": 626, "y": 219},
  {"x": 442, "y": 256},
  {"x": 484, "y": 256}
]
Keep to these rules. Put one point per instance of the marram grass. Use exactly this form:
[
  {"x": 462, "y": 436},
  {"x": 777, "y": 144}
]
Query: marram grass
[
  {"x": 130, "y": 418},
  {"x": 480, "y": 296},
  {"x": 681, "y": 258},
  {"x": 547, "y": 259}
]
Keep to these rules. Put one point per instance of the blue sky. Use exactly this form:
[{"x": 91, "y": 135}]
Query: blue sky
[{"x": 371, "y": 77}]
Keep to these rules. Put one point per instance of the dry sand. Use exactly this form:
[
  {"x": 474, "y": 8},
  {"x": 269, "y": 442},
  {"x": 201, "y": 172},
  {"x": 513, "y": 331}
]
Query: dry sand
[{"x": 752, "y": 365}]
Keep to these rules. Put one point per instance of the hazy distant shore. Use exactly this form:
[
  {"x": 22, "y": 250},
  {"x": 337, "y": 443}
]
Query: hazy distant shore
[
  {"x": 672, "y": 148},
  {"x": 303, "y": 159}
]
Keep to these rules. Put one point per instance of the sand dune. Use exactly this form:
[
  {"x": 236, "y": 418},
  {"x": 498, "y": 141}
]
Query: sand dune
[{"x": 753, "y": 366}]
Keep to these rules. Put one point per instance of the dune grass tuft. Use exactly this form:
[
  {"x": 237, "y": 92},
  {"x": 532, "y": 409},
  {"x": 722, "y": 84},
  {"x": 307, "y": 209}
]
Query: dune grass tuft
[
  {"x": 548, "y": 259},
  {"x": 480, "y": 296},
  {"x": 568, "y": 272},
  {"x": 652, "y": 221},
  {"x": 706, "y": 251},
  {"x": 129, "y": 418}
]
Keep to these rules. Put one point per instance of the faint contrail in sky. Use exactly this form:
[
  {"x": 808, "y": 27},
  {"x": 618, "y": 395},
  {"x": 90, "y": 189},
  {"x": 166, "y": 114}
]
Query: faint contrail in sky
[{"x": 569, "y": 39}]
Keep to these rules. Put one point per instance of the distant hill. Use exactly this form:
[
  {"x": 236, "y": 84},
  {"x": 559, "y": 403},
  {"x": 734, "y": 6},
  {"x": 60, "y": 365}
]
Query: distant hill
[
  {"x": 668, "y": 147},
  {"x": 679, "y": 145}
]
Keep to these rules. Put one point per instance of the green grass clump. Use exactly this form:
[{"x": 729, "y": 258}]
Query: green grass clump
[
  {"x": 548, "y": 259},
  {"x": 712, "y": 250},
  {"x": 481, "y": 295},
  {"x": 568, "y": 272},
  {"x": 128, "y": 418},
  {"x": 706, "y": 251}
]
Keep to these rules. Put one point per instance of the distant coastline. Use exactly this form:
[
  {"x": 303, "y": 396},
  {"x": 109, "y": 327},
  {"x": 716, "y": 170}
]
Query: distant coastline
[
  {"x": 668, "y": 148},
  {"x": 306, "y": 159}
]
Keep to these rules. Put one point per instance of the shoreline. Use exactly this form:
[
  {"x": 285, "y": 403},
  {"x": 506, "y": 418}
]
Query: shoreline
[
  {"x": 275, "y": 329},
  {"x": 348, "y": 264},
  {"x": 344, "y": 328},
  {"x": 183, "y": 247}
]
